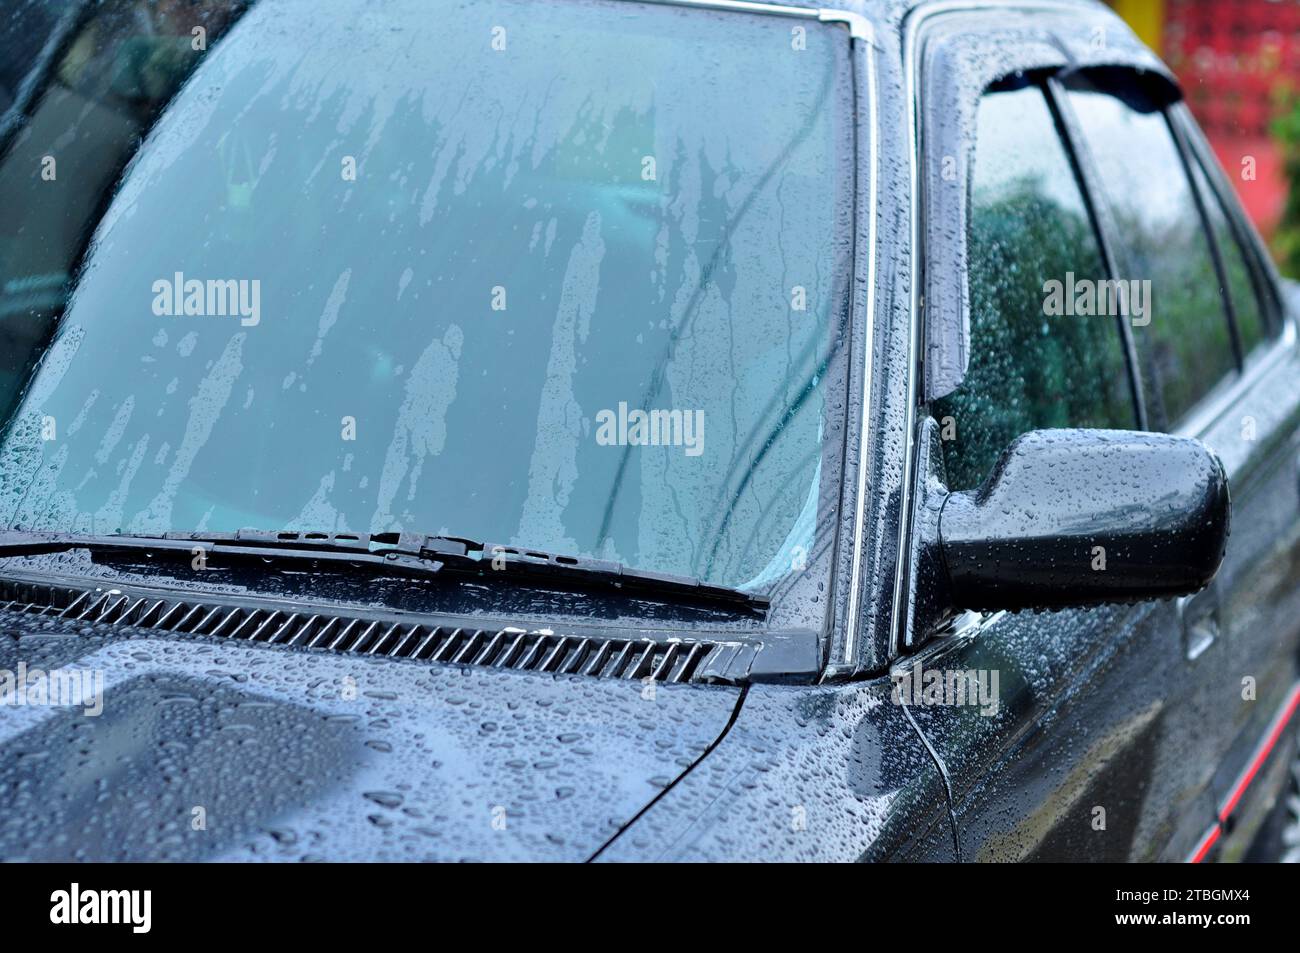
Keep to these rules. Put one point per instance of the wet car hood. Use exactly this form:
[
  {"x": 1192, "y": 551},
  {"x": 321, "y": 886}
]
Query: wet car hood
[{"x": 208, "y": 750}]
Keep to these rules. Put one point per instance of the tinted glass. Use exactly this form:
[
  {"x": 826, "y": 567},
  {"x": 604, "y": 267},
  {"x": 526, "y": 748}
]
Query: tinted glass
[
  {"x": 120, "y": 63},
  {"x": 1186, "y": 346},
  {"x": 1031, "y": 366},
  {"x": 1241, "y": 287},
  {"x": 23, "y": 31},
  {"x": 566, "y": 276}
]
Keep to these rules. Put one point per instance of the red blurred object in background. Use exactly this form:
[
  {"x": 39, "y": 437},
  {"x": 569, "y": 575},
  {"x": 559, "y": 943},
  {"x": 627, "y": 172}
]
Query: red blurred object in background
[{"x": 1229, "y": 56}]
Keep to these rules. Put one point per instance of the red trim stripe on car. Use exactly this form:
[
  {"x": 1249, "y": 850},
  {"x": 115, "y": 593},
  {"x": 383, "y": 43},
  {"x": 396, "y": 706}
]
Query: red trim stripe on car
[{"x": 1238, "y": 790}]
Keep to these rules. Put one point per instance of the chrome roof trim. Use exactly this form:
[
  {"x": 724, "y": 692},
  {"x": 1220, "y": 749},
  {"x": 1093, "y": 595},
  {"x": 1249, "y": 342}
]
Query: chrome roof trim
[
  {"x": 860, "y": 28},
  {"x": 743, "y": 6}
]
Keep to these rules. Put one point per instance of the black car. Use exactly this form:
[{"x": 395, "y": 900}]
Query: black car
[{"x": 633, "y": 430}]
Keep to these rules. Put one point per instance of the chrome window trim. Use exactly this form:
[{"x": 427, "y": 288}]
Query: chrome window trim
[
  {"x": 742, "y": 6},
  {"x": 859, "y": 26},
  {"x": 862, "y": 31},
  {"x": 869, "y": 213}
]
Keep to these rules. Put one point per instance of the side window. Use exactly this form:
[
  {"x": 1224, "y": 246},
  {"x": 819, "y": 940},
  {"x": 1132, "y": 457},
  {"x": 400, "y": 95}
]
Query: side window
[
  {"x": 1242, "y": 288},
  {"x": 1034, "y": 362},
  {"x": 1183, "y": 337}
]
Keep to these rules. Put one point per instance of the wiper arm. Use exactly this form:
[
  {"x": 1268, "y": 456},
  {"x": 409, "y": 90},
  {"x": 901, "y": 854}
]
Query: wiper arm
[{"x": 405, "y": 553}]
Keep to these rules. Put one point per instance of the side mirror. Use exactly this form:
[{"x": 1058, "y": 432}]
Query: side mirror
[{"x": 1084, "y": 517}]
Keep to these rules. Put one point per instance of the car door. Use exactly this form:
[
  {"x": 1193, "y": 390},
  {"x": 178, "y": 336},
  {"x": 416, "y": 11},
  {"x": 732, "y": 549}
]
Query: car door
[
  {"x": 1112, "y": 724},
  {"x": 1258, "y": 431},
  {"x": 1218, "y": 363},
  {"x": 1076, "y": 759}
]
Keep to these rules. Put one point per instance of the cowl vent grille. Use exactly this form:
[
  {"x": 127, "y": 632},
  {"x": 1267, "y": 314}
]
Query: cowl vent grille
[{"x": 389, "y": 637}]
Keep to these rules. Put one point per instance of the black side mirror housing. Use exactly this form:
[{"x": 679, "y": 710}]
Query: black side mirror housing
[{"x": 1084, "y": 517}]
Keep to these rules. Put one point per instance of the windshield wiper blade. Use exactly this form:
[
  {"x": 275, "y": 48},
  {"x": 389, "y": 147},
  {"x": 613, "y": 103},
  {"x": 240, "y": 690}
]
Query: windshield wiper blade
[
  {"x": 283, "y": 549},
  {"x": 502, "y": 561},
  {"x": 499, "y": 562},
  {"x": 406, "y": 553}
]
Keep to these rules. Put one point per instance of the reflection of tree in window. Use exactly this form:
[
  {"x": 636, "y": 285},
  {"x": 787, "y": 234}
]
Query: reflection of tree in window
[{"x": 1028, "y": 226}]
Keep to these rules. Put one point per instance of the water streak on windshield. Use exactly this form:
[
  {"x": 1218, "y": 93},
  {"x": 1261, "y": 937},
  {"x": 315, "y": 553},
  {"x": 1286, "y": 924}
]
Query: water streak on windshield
[{"x": 564, "y": 275}]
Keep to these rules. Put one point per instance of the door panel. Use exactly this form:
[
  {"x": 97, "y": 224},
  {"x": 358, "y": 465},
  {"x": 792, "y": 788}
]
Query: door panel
[
  {"x": 1252, "y": 667},
  {"x": 1256, "y": 432},
  {"x": 1093, "y": 754}
]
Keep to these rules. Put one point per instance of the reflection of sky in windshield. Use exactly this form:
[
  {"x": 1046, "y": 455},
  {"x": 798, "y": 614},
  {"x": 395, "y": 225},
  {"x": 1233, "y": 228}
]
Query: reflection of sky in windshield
[{"x": 437, "y": 339}]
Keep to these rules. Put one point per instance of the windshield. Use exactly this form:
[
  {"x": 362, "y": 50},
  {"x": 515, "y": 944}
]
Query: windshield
[{"x": 565, "y": 276}]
